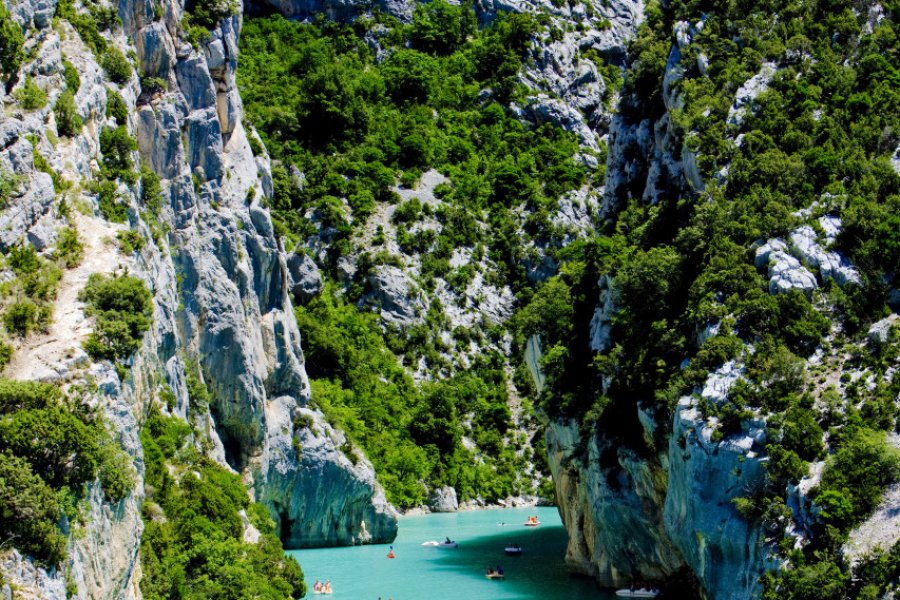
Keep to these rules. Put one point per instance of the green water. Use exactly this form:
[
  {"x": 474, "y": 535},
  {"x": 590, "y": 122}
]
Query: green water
[{"x": 421, "y": 573}]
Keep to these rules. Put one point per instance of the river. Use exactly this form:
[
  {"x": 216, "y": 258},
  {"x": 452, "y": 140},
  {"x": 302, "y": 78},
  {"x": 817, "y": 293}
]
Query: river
[{"x": 422, "y": 573}]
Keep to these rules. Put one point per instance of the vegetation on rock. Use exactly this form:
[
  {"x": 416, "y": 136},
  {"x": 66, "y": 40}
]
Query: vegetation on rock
[
  {"x": 52, "y": 446},
  {"x": 193, "y": 545}
]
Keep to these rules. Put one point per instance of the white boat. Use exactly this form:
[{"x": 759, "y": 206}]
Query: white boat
[
  {"x": 534, "y": 523},
  {"x": 638, "y": 593},
  {"x": 513, "y": 550},
  {"x": 437, "y": 544}
]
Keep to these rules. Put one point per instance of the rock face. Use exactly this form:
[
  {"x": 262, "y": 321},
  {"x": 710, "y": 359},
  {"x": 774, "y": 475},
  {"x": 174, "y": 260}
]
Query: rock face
[
  {"x": 221, "y": 286},
  {"x": 235, "y": 288},
  {"x": 647, "y": 517},
  {"x": 395, "y": 295},
  {"x": 663, "y": 504},
  {"x": 304, "y": 278}
]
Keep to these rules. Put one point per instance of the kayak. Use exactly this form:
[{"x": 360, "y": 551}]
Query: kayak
[
  {"x": 639, "y": 593},
  {"x": 437, "y": 544},
  {"x": 531, "y": 523},
  {"x": 495, "y": 576},
  {"x": 391, "y": 555},
  {"x": 513, "y": 550}
]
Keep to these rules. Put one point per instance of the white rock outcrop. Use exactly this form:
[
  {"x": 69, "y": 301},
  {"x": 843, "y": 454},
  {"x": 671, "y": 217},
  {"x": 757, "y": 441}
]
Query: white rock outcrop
[{"x": 785, "y": 271}]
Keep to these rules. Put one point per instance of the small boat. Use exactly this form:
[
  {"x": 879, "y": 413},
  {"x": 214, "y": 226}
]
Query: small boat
[
  {"x": 638, "y": 593},
  {"x": 495, "y": 575},
  {"x": 531, "y": 523},
  {"x": 323, "y": 589},
  {"x": 513, "y": 550},
  {"x": 437, "y": 544}
]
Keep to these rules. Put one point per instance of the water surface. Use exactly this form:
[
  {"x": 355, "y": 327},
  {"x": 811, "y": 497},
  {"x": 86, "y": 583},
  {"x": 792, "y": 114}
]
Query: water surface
[{"x": 420, "y": 573}]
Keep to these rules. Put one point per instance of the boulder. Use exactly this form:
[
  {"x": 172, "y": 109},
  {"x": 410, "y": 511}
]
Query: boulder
[
  {"x": 304, "y": 278},
  {"x": 786, "y": 273},
  {"x": 831, "y": 265},
  {"x": 443, "y": 500},
  {"x": 880, "y": 333},
  {"x": 747, "y": 93},
  {"x": 395, "y": 295}
]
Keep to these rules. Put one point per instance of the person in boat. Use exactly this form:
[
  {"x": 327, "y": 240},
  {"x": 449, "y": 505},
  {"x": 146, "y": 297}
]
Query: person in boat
[
  {"x": 327, "y": 587},
  {"x": 489, "y": 570},
  {"x": 499, "y": 570},
  {"x": 317, "y": 586},
  {"x": 447, "y": 540}
]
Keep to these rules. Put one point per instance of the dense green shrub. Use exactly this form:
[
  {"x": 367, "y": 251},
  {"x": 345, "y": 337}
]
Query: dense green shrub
[
  {"x": 71, "y": 77},
  {"x": 207, "y": 14},
  {"x": 116, "y": 146},
  {"x": 441, "y": 28},
  {"x": 9, "y": 186},
  {"x": 116, "y": 107},
  {"x": 30, "y": 95},
  {"x": 69, "y": 249},
  {"x": 86, "y": 26},
  {"x": 106, "y": 17},
  {"x": 192, "y": 544},
  {"x": 29, "y": 511},
  {"x": 861, "y": 469},
  {"x": 60, "y": 446},
  {"x": 50, "y": 447},
  {"x": 19, "y": 318},
  {"x": 11, "y": 45},
  {"x": 68, "y": 121},
  {"x": 130, "y": 241},
  {"x": 122, "y": 306},
  {"x": 34, "y": 288},
  {"x": 110, "y": 202},
  {"x": 117, "y": 67}
]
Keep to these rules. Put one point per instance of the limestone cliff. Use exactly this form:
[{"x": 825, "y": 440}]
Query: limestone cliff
[{"x": 218, "y": 277}]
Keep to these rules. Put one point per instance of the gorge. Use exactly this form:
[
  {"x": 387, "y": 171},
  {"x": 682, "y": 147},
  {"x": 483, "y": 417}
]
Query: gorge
[{"x": 272, "y": 272}]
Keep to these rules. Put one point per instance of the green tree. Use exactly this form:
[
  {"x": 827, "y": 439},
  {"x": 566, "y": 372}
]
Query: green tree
[
  {"x": 30, "y": 95},
  {"x": 117, "y": 146},
  {"x": 117, "y": 67},
  {"x": 68, "y": 121},
  {"x": 441, "y": 28},
  {"x": 29, "y": 511},
  {"x": 11, "y": 45}
]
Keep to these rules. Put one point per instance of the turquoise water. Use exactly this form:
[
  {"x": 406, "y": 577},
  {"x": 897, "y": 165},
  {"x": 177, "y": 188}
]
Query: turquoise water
[{"x": 421, "y": 573}]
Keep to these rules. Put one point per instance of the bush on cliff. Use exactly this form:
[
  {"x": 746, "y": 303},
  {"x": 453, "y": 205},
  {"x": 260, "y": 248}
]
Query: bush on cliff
[
  {"x": 11, "y": 45},
  {"x": 51, "y": 447},
  {"x": 68, "y": 121},
  {"x": 193, "y": 545},
  {"x": 122, "y": 306}
]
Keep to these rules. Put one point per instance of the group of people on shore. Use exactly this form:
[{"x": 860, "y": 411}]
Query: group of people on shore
[{"x": 322, "y": 588}]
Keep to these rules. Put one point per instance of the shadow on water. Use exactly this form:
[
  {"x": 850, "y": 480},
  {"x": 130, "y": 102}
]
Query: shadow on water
[
  {"x": 539, "y": 572},
  {"x": 423, "y": 573}
]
